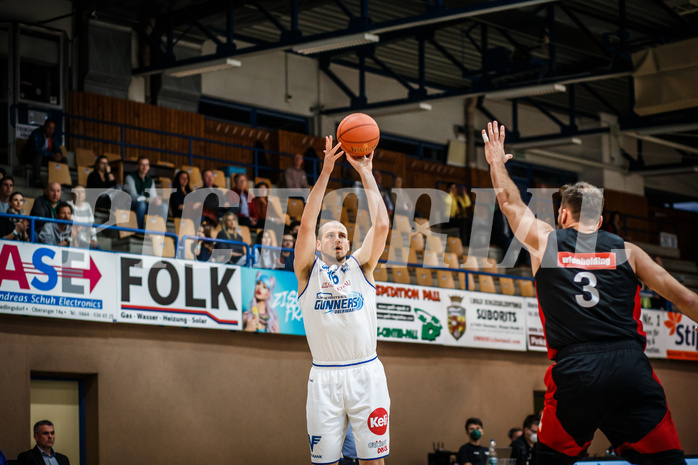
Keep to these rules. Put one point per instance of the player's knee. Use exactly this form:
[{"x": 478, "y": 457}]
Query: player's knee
[{"x": 372, "y": 462}]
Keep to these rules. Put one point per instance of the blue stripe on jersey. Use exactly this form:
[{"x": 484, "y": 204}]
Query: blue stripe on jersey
[
  {"x": 311, "y": 273},
  {"x": 346, "y": 364},
  {"x": 362, "y": 273}
]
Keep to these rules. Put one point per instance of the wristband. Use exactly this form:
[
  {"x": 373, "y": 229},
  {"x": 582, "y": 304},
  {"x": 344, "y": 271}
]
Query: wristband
[{"x": 15, "y": 233}]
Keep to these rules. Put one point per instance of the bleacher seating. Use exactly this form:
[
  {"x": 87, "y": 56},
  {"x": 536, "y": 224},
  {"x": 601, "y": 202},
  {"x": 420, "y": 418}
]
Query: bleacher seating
[
  {"x": 421, "y": 252},
  {"x": 60, "y": 173}
]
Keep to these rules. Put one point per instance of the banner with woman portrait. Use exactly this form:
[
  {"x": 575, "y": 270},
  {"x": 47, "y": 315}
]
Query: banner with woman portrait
[{"x": 270, "y": 302}]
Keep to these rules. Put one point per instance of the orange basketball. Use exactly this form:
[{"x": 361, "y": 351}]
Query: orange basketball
[{"x": 359, "y": 134}]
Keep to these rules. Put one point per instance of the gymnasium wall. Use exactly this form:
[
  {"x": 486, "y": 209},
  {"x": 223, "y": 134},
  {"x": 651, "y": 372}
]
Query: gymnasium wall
[{"x": 169, "y": 395}]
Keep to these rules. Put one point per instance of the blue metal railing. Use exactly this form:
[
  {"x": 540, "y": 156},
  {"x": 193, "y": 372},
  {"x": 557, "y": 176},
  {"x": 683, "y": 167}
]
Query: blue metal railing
[
  {"x": 180, "y": 244},
  {"x": 316, "y": 162},
  {"x": 189, "y": 237},
  {"x": 100, "y": 227},
  {"x": 257, "y": 247}
]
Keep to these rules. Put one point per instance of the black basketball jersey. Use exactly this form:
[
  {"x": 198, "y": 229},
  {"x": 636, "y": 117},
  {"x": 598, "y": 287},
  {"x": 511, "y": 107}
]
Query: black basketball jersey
[{"x": 590, "y": 294}]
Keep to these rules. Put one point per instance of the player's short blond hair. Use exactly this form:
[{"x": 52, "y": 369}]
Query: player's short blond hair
[{"x": 321, "y": 231}]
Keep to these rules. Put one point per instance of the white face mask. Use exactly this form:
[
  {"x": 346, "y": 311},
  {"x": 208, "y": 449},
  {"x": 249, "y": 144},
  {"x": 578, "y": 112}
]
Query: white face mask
[{"x": 534, "y": 438}]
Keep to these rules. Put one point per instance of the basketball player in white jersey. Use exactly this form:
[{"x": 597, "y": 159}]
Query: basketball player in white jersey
[{"x": 337, "y": 295}]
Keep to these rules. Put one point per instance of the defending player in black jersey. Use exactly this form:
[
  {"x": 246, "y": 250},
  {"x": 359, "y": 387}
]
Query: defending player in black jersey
[{"x": 588, "y": 294}]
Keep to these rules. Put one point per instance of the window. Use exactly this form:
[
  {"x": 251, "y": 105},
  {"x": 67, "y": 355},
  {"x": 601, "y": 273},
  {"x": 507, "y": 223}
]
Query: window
[{"x": 40, "y": 60}]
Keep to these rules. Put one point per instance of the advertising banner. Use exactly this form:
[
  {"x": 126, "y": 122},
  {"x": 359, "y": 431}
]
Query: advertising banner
[
  {"x": 72, "y": 283},
  {"x": 57, "y": 282},
  {"x": 450, "y": 317},
  {"x": 535, "y": 336},
  {"x": 493, "y": 321},
  {"x": 169, "y": 292},
  {"x": 271, "y": 297},
  {"x": 670, "y": 335}
]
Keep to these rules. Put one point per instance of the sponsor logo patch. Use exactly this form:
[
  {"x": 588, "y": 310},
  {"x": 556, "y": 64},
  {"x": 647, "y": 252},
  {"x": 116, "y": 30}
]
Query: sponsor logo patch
[
  {"x": 314, "y": 440},
  {"x": 378, "y": 421},
  {"x": 587, "y": 261},
  {"x": 337, "y": 304}
]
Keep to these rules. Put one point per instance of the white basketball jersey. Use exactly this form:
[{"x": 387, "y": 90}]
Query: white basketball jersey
[{"x": 339, "y": 312}]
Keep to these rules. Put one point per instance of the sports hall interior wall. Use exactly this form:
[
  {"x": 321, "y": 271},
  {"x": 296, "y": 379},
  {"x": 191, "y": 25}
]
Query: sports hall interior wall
[{"x": 167, "y": 395}]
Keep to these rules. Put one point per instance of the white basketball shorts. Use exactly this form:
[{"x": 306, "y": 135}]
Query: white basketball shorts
[{"x": 353, "y": 391}]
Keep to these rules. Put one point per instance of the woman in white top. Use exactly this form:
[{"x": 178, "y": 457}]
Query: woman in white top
[
  {"x": 82, "y": 213},
  {"x": 264, "y": 257}
]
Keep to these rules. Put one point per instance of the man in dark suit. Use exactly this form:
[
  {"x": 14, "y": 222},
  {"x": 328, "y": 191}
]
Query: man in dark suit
[
  {"x": 42, "y": 147},
  {"x": 43, "y": 453}
]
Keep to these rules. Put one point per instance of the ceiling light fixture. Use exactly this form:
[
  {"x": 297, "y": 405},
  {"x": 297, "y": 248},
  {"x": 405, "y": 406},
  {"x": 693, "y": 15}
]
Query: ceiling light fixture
[
  {"x": 335, "y": 43},
  {"x": 400, "y": 109},
  {"x": 529, "y": 91},
  {"x": 543, "y": 143},
  {"x": 203, "y": 67}
]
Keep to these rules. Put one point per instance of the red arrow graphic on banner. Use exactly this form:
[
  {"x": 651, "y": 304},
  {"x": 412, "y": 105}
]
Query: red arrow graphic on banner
[{"x": 92, "y": 273}]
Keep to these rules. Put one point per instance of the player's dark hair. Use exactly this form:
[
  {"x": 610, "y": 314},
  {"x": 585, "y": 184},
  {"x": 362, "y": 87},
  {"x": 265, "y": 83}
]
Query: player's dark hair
[
  {"x": 473, "y": 421},
  {"x": 574, "y": 194},
  {"x": 530, "y": 421}
]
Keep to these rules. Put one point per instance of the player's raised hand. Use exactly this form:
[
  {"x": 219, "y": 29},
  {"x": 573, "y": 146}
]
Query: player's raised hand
[
  {"x": 494, "y": 143},
  {"x": 362, "y": 163},
  {"x": 331, "y": 154}
]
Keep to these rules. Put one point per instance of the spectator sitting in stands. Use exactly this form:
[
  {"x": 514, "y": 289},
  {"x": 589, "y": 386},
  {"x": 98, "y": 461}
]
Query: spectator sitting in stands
[
  {"x": 522, "y": 448},
  {"x": 102, "y": 178},
  {"x": 262, "y": 206},
  {"x": 614, "y": 224},
  {"x": 295, "y": 176},
  {"x": 7, "y": 185},
  {"x": 144, "y": 197},
  {"x": 212, "y": 209},
  {"x": 385, "y": 195},
  {"x": 406, "y": 206},
  {"x": 294, "y": 227},
  {"x": 82, "y": 213},
  {"x": 230, "y": 232},
  {"x": 514, "y": 434},
  {"x": 264, "y": 257},
  {"x": 45, "y": 206},
  {"x": 15, "y": 228},
  {"x": 286, "y": 257},
  {"x": 181, "y": 183},
  {"x": 472, "y": 453},
  {"x": 246, "y": 211},
  {"x": 59, "y": 233},
  {"x": 42, "y": 147},
  {"x": 460, "y": 215},
  {"x": 203, "y": 249}
]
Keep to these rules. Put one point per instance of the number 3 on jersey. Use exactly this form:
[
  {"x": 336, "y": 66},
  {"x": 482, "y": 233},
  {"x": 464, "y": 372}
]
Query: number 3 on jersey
[{"x": 589, "y": 287}]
